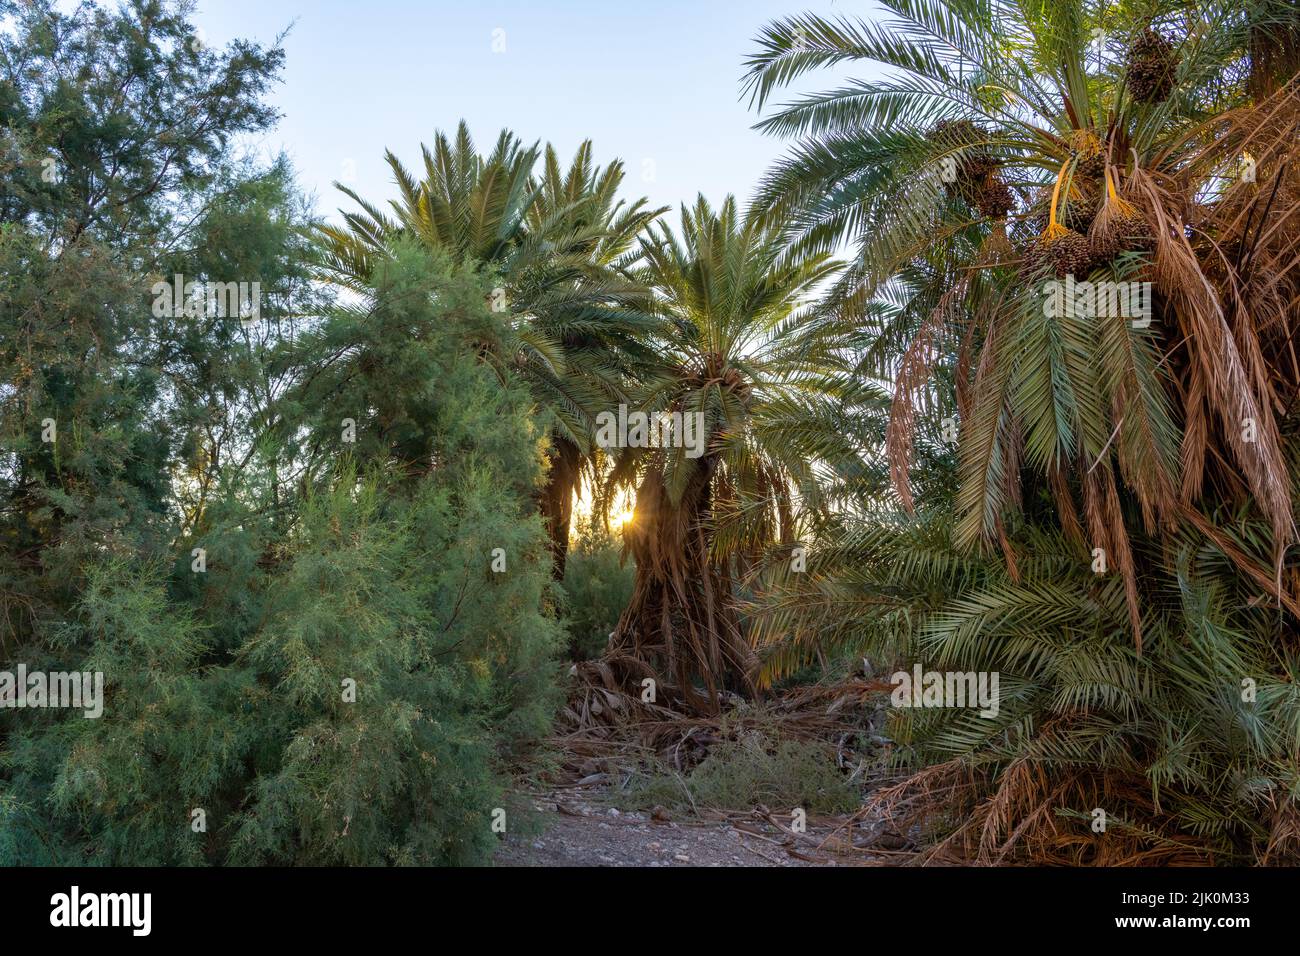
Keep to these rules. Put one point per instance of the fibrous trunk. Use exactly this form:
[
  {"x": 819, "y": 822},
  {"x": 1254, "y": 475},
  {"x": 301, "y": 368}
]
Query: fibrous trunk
[
  {"x": 680, "y": 628},
  {"x": 557, "y": 500}
]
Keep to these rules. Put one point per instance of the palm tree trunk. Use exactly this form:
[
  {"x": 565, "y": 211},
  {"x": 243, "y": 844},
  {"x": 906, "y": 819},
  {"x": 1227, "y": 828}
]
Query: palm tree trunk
[
  {"x": 557, "y": 500},
  {"x": 680, "y": 628}
]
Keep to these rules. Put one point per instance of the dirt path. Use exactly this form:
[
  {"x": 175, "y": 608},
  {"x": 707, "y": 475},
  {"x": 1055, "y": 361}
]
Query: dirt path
[{"x": 580, "y": 829}]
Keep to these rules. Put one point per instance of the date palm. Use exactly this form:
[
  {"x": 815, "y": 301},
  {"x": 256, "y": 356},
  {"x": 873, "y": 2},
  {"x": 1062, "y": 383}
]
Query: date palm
[
  {"x": 589, "y": 305},
  {"x": 748, "y": 356},
  {"x": 559, "y": 243},
  {"x": 1119, "y": 543},
  {"x": 1019, "y": 144},
  {"x": 1162, "y": 741}
]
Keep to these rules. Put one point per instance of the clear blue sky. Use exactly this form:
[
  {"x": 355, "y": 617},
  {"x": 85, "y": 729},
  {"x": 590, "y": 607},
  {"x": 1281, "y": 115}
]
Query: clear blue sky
[{"x": 655, "y": 82}]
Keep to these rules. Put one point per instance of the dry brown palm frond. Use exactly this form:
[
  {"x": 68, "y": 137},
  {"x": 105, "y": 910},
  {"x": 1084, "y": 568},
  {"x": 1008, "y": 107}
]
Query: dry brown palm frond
[
  {"x": 1034, "y": 811},
  {"x": 910, "y": 387},
  {"x": 605, "y": 725},
  {"x": 1254, "y": 257},
  {"x": 1270, "y": 583},
  {"x": 941, "y": 791},
  {"x": 1229, "y": 357},
  {"x": 1065, "y": 506},
  {"x": 1195, "y": 436},
  {"x": 1284, "y": 834},
  {"x": 1106, "y": 526}
]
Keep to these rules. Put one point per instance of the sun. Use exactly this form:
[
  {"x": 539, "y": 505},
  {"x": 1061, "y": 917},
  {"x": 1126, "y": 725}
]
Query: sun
[{"x": 621, "y": 513}]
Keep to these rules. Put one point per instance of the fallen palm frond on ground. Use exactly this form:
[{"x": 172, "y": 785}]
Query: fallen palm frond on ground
[
  {"x": 602, "y": 723},
  {"x": 609, "y": 740}
]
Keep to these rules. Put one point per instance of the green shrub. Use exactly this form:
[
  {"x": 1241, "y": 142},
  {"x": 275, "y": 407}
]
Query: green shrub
[
  {"x": 349, "y": 687},
  {"x": 598, "y": 586},
  {"x": 755, "y": 770},
  {"x": 333, "y": 561},
  {"x": 452, "y": 667}
]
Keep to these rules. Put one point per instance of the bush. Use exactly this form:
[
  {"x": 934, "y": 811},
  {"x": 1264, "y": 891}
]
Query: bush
[
  {"x": 755, "y": 770},
  {"x": 345, "y": 687},
  {"x": 453, "y": 671},
  {"x": 598, "y": 586},
  {"x": 335, "y": 563}
]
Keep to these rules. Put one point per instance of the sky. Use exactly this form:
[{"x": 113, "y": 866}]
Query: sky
[{"x": 654, "y": 82}]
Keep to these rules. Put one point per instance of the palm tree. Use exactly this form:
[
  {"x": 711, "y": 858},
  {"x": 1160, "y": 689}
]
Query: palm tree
[
  {"x": 1117, "y": 540},
  {"x": 1013, "y": 151},
  {"x": 752, "y": 363},
  {"x": 606, "y": 346},
  {"x": 559, "y": 245},
  {"x": 1163, "y": 742}
]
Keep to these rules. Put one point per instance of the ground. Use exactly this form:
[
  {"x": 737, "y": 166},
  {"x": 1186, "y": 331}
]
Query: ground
[{"x": 578, "y": 828}]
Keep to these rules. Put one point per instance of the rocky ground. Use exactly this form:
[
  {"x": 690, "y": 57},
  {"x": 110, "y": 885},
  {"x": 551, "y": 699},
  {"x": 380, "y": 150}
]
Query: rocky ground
[{"x": 579, "y": 828}]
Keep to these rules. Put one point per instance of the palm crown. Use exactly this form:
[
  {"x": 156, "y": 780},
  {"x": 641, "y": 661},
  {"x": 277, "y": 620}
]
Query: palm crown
[
  {"x": 749, "y": 359},
  {"x": 1016, "y": 145},
  {"x": 1020, "y": 145},
  {"x": 559, "y": 243}
]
